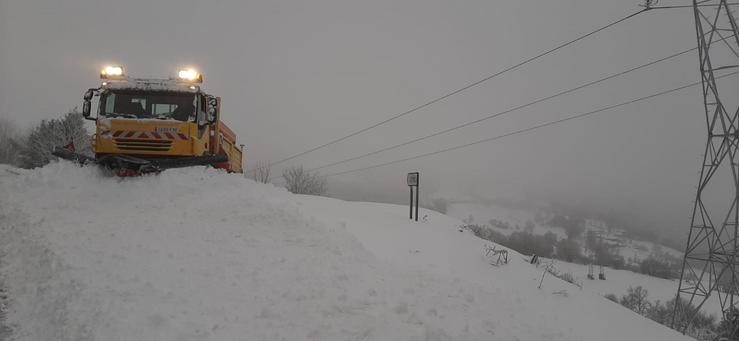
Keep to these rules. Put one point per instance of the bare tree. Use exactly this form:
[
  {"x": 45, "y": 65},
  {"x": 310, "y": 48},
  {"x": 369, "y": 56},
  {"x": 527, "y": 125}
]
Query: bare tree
[
  {"x": 300, "y": 181},
  {"x": 636, "y": 300},
  {"x": 262, "y": 172},
  {"x": 67, "y": 131}
]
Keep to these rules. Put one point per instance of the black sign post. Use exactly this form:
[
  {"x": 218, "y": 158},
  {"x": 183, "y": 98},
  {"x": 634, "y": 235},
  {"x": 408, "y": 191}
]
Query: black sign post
[{"x": 413, "y": 181}]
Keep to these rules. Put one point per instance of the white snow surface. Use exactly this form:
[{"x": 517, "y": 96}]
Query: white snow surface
[{"x": 197, "y": 254}]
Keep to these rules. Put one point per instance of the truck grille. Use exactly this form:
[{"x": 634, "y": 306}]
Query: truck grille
[{"x": 145, "y": 145}]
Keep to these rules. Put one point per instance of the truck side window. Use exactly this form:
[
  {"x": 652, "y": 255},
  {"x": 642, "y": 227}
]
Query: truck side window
[{"x": 109, "y": 102}]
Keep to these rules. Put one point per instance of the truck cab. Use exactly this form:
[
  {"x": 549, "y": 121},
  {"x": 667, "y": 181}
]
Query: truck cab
[{"x": 163, "y": 122}]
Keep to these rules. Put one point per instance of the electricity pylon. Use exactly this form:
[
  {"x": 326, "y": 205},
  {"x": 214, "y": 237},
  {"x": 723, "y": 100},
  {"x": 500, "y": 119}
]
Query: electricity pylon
[{"x": 710, "y": 267}]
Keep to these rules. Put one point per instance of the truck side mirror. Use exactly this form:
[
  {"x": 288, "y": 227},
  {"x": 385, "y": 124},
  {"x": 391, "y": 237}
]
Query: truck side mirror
[
  {"x": 211, "y": 114},
  {"x": 87, "y": 103},
  {"x": 86, "y": 108}
]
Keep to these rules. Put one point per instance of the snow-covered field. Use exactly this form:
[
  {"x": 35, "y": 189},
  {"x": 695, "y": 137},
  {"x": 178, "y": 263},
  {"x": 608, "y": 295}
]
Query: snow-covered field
[{"x": 196, "y": 254}]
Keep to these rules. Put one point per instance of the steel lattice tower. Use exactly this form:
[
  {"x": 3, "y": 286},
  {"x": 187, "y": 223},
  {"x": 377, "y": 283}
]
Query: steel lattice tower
[{"x": 710, "y": 267}]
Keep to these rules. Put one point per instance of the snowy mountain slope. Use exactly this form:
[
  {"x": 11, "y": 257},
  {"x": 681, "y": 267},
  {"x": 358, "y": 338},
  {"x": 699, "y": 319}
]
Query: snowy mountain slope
[{"x": 196, "y": 254}]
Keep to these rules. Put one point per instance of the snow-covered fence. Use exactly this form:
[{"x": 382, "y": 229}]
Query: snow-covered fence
[
  {"x": 495, "y": 256},
  {"x": 551, "y": 269}
]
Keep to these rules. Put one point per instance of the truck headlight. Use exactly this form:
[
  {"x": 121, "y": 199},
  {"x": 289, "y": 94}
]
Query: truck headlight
[
  {"x": 190, "y": 75},
  {"x": 111, "y": 71}
]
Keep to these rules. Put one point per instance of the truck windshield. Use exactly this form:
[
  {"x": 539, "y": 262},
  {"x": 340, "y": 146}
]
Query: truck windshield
[{"x": 164, "y": 106}]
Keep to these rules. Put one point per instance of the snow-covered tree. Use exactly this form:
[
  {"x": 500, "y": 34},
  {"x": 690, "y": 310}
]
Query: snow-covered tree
[
  {"x": 66, "y": 131},
  {"x": 9, "y": 136},
  {"x": 300, "y": 181}
]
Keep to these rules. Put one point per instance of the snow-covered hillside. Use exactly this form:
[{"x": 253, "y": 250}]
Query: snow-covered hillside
[
  {"x": 196, "y": 254},
  {"x": 632, "y": 250},
  {"x": 619, "y": 281}
]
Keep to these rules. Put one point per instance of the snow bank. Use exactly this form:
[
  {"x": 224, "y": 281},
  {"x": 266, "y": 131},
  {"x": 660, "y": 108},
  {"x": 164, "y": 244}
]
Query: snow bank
[{"x": 197, "y": 254}]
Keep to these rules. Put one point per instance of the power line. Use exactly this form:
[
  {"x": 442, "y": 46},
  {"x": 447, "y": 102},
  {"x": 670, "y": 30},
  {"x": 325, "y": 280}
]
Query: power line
[
  {"x": 691, "y": 6},
  {"x": 454, "y": 92},
  {"x": 525, "y": 130},
  {"x": 491, "y": 116}
]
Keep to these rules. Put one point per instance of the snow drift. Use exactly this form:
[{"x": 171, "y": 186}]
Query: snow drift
[{"x": 197, "y": 254}]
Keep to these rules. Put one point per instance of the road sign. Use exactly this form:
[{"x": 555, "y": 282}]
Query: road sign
[{"x": 413, "y": 180}]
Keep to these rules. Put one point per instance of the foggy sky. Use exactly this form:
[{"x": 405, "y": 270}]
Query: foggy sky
[{"x": 295, "y": 74}]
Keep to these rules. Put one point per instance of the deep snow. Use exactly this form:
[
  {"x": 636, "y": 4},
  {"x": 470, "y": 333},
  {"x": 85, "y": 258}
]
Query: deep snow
[
  {"x": 617, "y": 281},
  {"x": 197, "y": 254}
]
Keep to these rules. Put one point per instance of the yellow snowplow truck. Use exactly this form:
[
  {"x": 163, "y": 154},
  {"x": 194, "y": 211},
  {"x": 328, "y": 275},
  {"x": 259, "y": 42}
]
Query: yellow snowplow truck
[{"x": 147, "y": 125}]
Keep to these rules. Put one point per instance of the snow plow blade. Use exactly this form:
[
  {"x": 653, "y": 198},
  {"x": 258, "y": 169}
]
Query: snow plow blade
[
  {"x": 126, "y": 165},
  {"x": 66, "y": 154}
]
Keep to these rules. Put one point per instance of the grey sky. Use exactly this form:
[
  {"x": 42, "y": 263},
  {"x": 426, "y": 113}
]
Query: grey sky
[{"x": 295, "y": 74}]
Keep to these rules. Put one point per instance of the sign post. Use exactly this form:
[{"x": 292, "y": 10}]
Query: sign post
[{"x": 413, "y": 180}]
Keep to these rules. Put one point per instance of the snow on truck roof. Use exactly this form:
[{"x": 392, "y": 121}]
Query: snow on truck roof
[{"x": 151, "y": 84}]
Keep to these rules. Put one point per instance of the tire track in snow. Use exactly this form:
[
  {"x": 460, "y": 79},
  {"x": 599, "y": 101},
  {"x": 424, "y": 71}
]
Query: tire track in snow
[
  {"x": 5, "y": 331},
  {"x": 27, "y": 266}
]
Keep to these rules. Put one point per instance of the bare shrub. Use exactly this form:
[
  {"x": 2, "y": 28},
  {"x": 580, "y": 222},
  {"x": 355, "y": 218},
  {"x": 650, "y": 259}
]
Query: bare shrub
[
  {"x": 262, "y": 172},
  {"x": 636, "y": 300},
  {"x": 300, "y": 181}
]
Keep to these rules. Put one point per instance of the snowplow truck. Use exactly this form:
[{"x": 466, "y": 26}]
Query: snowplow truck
[{"x": 148, "y": 125}]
